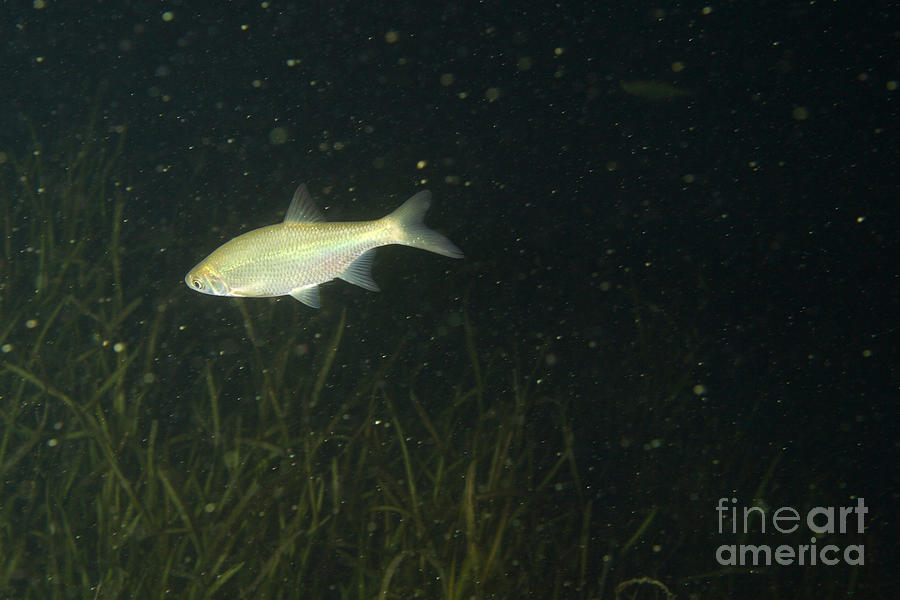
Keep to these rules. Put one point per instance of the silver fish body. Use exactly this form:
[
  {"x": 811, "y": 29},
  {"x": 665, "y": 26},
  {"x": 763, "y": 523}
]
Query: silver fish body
[{"x": 296, "y": 256}]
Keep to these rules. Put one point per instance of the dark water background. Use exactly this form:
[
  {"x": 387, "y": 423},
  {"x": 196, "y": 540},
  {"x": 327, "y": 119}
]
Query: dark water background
[{"x": 756, "y": 217}]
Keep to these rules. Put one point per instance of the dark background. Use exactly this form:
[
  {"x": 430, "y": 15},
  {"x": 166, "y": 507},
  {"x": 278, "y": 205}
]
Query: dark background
[{"x": 744, "y": 234}]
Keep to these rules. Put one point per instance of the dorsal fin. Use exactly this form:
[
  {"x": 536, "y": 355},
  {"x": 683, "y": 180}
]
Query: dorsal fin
[{"x": 302, "y": 208}]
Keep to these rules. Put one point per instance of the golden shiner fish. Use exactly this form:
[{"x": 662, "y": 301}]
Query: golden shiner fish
[{"x": 294, "y": 257}]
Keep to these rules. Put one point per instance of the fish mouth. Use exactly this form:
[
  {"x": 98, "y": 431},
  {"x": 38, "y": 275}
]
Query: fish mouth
[
  {"x": 194, "y": 282},
  {"x": 205, "y": 281}
]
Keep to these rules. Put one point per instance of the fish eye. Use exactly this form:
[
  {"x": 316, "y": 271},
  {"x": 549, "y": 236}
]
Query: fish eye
[{"x": 197, "y": 284}]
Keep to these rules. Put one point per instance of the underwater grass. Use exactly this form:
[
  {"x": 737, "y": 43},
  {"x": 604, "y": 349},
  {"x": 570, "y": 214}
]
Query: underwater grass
[
  {"x": 272, "y": 474},
  {"x": 359, "y": 490}
]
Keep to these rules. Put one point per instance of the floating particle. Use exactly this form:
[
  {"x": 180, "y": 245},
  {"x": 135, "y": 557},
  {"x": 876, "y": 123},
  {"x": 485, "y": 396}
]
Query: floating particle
[
  {"x": 800, "y": 113},
  {"x": 278, "y": 136}
]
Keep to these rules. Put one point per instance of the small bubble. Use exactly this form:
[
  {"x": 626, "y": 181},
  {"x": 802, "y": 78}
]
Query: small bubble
[{"x": 31, "y": 323}]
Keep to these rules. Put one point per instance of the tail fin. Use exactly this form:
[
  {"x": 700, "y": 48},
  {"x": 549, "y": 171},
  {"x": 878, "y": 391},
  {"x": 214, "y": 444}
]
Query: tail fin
[{"x": 412, "y": 231}]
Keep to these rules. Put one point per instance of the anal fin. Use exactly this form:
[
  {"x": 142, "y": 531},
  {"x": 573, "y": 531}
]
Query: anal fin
[{"x": 359, "y": 272}]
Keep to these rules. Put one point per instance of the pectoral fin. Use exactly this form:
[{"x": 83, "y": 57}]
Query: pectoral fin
[{"x": 308, "y": 296}]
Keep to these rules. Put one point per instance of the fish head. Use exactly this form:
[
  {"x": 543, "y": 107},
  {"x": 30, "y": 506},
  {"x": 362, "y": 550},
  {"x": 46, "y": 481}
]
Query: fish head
[{"x": 204, "y": 279}]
